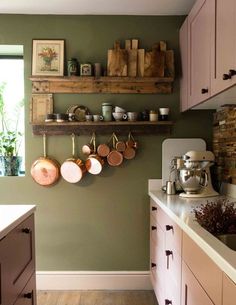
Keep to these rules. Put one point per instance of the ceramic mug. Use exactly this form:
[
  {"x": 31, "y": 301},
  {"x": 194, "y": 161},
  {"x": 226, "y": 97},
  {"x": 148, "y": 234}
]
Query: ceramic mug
[
  {"x": 88, "y": 117},
  {"x": 132, "y": 116},
  {"x": 119, "y": 116},
  {"x": 97, "y": 117}
]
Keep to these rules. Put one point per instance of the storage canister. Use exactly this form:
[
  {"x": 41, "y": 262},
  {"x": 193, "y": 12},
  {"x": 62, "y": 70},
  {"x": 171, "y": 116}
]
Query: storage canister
[
  {"x": 107, "y": 112},
  {"x": 72, "y": 67}
]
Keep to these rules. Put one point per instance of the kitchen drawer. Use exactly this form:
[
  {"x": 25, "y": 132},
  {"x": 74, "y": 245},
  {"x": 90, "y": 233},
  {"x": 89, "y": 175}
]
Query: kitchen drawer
[
  {"x": 173, "y": 231},
  {"x": 173, "y": 267},
  {"x": 192, "y": 292},
  {"x": 28, "y": 294},
  {"x": 18, "y": 263},
  {"x": 173, "y": 293},
  {"x": 204, "y": 269}
]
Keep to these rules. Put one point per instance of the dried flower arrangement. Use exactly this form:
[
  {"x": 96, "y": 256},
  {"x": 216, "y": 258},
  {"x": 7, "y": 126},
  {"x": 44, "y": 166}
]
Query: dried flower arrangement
[{"x": 217, "y": 217}]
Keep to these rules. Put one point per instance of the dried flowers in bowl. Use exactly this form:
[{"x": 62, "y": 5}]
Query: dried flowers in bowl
[{"x": 217, "y": 217}]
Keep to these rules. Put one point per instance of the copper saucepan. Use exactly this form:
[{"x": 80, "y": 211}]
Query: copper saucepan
[
  {"x": 94, "y": 163},
  {"x": 73, "y": 169},
  {"x": 115, "y": 158},
  {"x": 129, "y": 152},
  {"x": 45, "y": 171}
]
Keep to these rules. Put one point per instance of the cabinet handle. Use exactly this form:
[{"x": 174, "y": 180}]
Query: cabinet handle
[
  {"x": 26, "y": 230},
  {"x": 167, "y": 302},
  {"x": 154, "y": 208},
  {"x": 28, "y": 295},
  {"x": 226, "y": 76},
  {"x": 154, "y": 228},
  {"x": 232, "y": 72},
  {"x": 168, "y": 228},
  {"x": 153, "y": 265},
  {"x": 168, "y": 252},
  {"x": 204, "y": 90}
]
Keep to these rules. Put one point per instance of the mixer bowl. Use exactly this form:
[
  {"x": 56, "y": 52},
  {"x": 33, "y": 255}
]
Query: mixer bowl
[{"x": 192, "y": 180}]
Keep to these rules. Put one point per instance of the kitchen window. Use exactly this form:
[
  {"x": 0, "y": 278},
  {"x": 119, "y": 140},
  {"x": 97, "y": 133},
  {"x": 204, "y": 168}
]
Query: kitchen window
[{"x": 12, "y": 106}]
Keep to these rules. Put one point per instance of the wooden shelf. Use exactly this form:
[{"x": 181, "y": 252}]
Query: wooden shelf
[
  {"x": 105, "y": 84},
  {"x": 85, "y": 128}
]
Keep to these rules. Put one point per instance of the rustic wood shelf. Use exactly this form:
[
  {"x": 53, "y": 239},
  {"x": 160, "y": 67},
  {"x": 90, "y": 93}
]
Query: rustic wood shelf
[
  {"x": 84, "y": 128},
  {"x": 105, "y": 84}
]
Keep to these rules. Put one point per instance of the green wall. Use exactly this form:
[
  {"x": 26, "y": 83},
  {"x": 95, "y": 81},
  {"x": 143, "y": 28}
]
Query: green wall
[{"x": 101, "y": 223}]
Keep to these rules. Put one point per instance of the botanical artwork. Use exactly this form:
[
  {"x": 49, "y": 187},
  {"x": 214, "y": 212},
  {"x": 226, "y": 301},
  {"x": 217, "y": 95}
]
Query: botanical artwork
[{"x": 48, "y": 57}]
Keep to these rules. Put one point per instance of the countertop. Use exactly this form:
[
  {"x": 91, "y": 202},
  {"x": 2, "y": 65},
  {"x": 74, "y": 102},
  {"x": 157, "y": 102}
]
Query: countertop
[
  {"x": 12, "y": 215},
  {"x": 181, "y": 211}
]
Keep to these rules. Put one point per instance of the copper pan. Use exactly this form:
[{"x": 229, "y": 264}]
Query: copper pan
[
  {"x": 88, "y": 149},
  {"x": 45, "y": 171},
  {"x": 131, "y": 144},
  {"x": 94, "y": 163},
  {"x": 73, "y": 169},
  {"x": 104, "y": 149},
  {"x": 115, "y": 158}
]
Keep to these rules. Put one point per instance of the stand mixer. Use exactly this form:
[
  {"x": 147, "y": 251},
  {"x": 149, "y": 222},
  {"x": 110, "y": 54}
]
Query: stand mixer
[{"x": 194, "y": 174}]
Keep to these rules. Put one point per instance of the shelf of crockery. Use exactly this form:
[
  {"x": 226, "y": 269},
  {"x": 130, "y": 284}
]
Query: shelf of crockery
[{"x": 84, "y": 128}]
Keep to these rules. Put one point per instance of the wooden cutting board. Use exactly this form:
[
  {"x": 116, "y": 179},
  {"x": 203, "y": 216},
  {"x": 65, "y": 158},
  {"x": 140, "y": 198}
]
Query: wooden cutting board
[
  {"x": 132, "y": 50},
  {"x": 117, "y": 61},
  {"x": 154, "y": 63}
]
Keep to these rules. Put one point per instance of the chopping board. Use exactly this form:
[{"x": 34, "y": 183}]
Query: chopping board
[
  {"x": 132, "y": 49},
  {"x": 154, "y": 63},
  {"x": 177, "y": 147},
  {"x": 117, "y": 61}
]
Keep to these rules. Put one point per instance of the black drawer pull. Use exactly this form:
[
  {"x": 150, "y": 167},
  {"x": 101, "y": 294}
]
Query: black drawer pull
[
  {"x": 226, "y": 76},
  {"x": 26, "y": 230},
  {"x": 154, "y": 208},
  {"x": 154, "y": 228},
  {"x": 168, "y": 252},
  {"x": 204, "y": 90},
  {"x": 153, "y": 265},
  {"x": 167, "y": 302},
  {"x": 168, "y": 228},
  {"x": 232, "y": 72},
  {"x": 28, "y": 295}
]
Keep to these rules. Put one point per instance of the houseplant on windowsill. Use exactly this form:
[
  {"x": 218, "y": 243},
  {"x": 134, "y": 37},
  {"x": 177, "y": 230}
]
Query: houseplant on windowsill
[{"x": 10, "y": 140}]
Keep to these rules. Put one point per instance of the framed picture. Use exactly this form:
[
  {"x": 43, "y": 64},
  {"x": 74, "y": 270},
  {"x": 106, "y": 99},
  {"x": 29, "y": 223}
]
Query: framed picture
[
  {"x": 48, "y": 57},
  {"x": 41, "y": 105}
]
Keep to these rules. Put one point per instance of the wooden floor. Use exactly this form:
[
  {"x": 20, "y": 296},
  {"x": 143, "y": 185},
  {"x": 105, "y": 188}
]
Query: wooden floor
[{"x": 96, "y": 298}]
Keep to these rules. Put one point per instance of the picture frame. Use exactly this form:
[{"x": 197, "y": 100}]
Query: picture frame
[
  {"x": 41, "y": 105},
  {"x": 48, "y": 57}
]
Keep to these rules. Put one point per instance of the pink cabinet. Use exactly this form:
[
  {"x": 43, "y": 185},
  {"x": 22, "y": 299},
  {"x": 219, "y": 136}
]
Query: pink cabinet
[
  {"x": 200, "y": 28},
  {"x": 183, "y": 45},
  {"x": 165, "y": 249},
  {"x": 223, "y": 50},
  {"x": 192, "y": 292},
  {"x": 229, "y": 291}
]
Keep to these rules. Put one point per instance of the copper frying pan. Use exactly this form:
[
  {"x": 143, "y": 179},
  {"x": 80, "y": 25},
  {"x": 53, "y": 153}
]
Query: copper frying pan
[{"x": 45, "y": 171}]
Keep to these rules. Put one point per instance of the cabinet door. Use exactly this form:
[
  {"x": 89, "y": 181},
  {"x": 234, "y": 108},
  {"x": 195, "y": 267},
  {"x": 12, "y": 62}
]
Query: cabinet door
[
  {"x": 183, "y": 44},
  {"x": 229, "y": 291},
  {"x": 224, "y": 45},
  {"x": 28, "y": 294},
  {"x": 200, "y": 28},
  {"x": 192, "y": 292}
]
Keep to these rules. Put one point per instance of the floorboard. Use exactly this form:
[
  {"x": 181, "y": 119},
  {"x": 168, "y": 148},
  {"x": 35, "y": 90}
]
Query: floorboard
[{"x": 134, "y": 297}]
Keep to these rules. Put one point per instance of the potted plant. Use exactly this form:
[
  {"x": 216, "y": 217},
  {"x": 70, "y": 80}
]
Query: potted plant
[{"x": 10, "y": 139}]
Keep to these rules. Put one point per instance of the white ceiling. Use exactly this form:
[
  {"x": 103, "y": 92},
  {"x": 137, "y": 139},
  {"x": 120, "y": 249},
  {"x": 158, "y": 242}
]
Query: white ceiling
[{"x": 97, "y": 7}]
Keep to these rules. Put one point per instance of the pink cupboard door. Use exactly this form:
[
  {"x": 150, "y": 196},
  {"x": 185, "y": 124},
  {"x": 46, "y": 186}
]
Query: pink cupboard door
[
  {"x": 229, "y": 291},
  {"x": 224, "y": 45},
  {"x": 192, "y": 292},
  {"x": 183, "y": 44},
  {"x": 200, "y": 28}
]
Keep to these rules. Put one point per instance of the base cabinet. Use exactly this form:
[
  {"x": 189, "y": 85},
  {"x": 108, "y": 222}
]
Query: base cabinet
[
  {"x": 192, "y": 292},
  {"x": 181, "y": 272},
  {"x": 17, "y": 262},
  {"x": 28, "y": 294}
]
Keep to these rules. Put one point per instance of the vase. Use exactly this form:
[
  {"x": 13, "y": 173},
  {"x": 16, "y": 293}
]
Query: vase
[{"x": 10, "y": 166}]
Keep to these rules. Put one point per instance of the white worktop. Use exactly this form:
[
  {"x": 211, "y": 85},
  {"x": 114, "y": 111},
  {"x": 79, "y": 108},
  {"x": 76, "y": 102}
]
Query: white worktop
[
  {"x": 12, "y": 215},
  {"x": 181, "y": 211}
]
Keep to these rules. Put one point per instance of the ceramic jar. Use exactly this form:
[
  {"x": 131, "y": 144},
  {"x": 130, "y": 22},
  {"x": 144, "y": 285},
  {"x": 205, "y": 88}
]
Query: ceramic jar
[{"x": 107, "y": 112}]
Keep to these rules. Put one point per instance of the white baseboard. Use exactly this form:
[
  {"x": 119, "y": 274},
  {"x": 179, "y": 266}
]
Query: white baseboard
[{"x": 93, "y": 280}]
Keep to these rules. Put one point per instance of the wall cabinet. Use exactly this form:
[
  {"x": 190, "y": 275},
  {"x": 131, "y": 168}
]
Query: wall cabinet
[
  {"x": 224, "y": 46},
  {"x": 17, "y": 261},
  {"x": 208, "y": 37}
]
